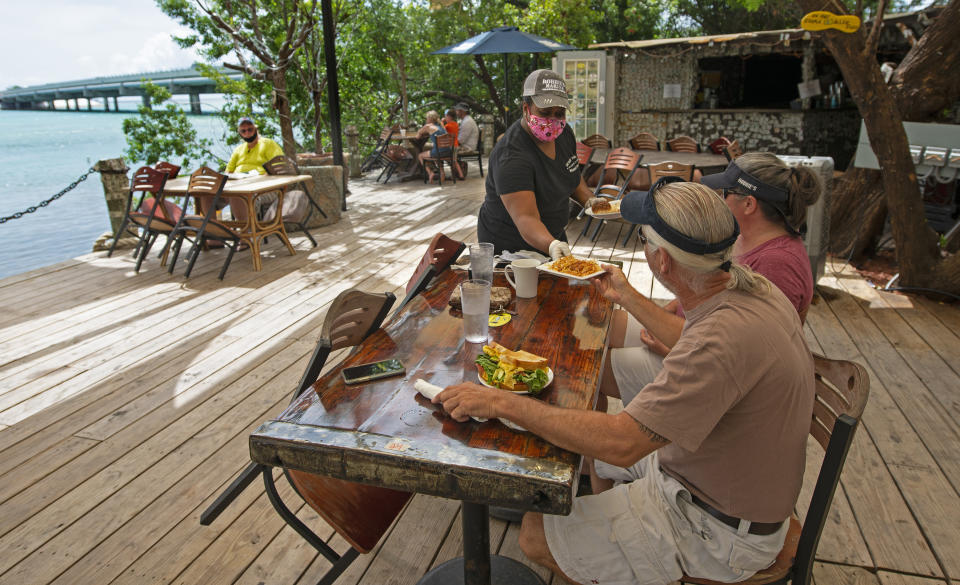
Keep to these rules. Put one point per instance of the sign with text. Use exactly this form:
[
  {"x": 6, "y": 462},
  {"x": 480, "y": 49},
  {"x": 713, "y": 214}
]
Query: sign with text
[{"x": 822, "y": 20}]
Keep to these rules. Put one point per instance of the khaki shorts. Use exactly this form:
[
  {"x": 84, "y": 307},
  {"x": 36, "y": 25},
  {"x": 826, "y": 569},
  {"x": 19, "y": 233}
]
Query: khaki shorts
[
  {"x": 649, "y": 533},
  {"x": 634, "y": 366}
]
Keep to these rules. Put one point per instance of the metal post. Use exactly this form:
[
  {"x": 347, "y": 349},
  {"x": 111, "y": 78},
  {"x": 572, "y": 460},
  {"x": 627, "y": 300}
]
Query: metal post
[
  {"x": 116, "y": 108},
  {"x": 195, "y": 103},
  {"x": 333, "y": 89},
  {"x": 476, "y": 544}
]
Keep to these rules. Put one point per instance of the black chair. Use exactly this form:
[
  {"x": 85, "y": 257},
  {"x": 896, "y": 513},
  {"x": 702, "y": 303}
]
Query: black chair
[
  {"x": 394, "y": 156},
  {"x": 149, "y": 184},
  {"x": 375, "y": 158},
  {"x": 206, "y": 186},
  {"x": 842, "y": 388},
  {"x": 281, "y": 165},
  {"x": 352, "y": 317},
  {"x": 478, "y": 154},
  {"x": 441, "y": 253}
]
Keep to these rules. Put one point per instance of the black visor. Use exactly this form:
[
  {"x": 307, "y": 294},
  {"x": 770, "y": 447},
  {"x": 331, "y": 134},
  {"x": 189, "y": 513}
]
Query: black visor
[
  {"x": 639, "y": 207},
  {"x": 736, "y": 178}
]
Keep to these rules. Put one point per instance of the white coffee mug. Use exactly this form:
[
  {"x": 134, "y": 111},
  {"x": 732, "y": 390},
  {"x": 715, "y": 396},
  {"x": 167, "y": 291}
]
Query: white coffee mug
[{"x": 526, "y": 273}]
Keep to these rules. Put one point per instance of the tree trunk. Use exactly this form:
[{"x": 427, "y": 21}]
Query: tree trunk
[
  {"x": 917, "y": 252},
  {"x": 281, "y": 102},
  {"x": 858, "y": 194}
]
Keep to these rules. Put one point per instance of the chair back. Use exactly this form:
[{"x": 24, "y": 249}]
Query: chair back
[
  {"x": 732, "y": 150},
  {"x": 617, "y": 171},
  {"x": 281, "y": 165},
  {"x": 149, "y": 180},
  {"x": 584, "y": 153},
  {"x": 841, "y": 392},
  {"x": 683, "y": 144},
  {"x": 205, "y": 181},
  {"x": 441, "y": 253},
  {"x": 171, "y": 169},
  {"x": 361, "y": 514},
  {"x": 598, "y": 141},
  {"x": 446, "y": 140},
  {"x": 717, "y": 146},
  {"x": 645, "y": 141},
  {"x": 670, "y": 169},
  {"x": 396, "y": 153}
]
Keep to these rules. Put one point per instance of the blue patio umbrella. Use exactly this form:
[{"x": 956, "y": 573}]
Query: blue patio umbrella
[{"x": 504, "y": 40}]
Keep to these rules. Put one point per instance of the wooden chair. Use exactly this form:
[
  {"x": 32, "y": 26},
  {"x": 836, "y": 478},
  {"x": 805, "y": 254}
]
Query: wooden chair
[
  {"x": 683, "y": 144},
  {"x": 375, "y": 158},
  {"x": 597, "y": 141},
  {"x": 204, "y": 182},
  {"x": 441, "y": 253},
  {"x": 621, "y": 164},
  {"x": 444, "y": 141},
  {"x": 645, "y": 141},
  {"x": 842, "y": 388},
  {"x": 717, "y": 146},
  {"x": 171, "y": 169},
  {"x": 478, "y": 154},
  {"x": 148, "y": 183},
  {"x": 300, "y": 213},
  {"x": 732, "y": 150},
  {"x": 394, "y": 156},
  {"x": 658, "y": 171},
  {"x": 584, "y": 153},
  {"x": 359, "y": 513}
]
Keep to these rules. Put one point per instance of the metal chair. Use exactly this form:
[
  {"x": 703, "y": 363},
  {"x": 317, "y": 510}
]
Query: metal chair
[
  {"x": 477, "y": 153},
  {"x": 683, "y": 144},
  {"x": 645, "y": 141},
  {"x": 375, "y": 158},
  {"x": 842, "y": 388},
  {"x": 441, "y": 253},
  {"x": 658, "y": 171},
  {"x": 621, "y": 164},
  {"x": 352, "y": 317},
  {"x": 147, "y": 182},
  {"x": 444, "y": 141},
  {"x": 597, "y": 141},
  {"x": 281, "y": 165},
  {"x": 394, "y": 155},
  {"x": 204, "y": 183}
]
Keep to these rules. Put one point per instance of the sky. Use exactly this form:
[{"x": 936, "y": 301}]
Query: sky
[{"x": 48, "y": 41}]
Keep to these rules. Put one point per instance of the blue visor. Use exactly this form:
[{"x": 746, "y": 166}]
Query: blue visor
[{"x": 639, "y": 207}]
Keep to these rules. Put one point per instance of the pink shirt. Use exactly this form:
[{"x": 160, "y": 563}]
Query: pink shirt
[{"x": 785, "y": 263}]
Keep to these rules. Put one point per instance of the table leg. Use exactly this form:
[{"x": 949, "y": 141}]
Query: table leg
[{"x": 478, "y": 566}]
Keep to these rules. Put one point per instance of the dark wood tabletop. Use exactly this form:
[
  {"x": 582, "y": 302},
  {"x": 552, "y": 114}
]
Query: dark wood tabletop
[{"x": 385, "y": 433}]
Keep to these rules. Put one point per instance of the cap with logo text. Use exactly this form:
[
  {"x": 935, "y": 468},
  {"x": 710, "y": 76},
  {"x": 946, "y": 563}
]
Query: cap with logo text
[{"x": 547, "y": 89}]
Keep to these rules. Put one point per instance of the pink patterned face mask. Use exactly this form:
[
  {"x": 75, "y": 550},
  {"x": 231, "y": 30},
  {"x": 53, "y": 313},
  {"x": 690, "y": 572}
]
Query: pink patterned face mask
[{"x": 545, "y": 129}]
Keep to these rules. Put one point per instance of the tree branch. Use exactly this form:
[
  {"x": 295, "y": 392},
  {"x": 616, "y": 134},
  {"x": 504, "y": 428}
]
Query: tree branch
[{"x": 873, "y": 40}]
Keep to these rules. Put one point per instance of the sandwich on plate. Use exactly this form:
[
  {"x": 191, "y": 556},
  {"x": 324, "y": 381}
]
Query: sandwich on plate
[{"x": 517, "y": 371}]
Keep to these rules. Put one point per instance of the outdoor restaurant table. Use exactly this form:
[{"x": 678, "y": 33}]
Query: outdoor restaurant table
[
  {"x": 252, "y": 230},
  {"x": 706, "y": 162},
  {"x": 385, "y": 433}
]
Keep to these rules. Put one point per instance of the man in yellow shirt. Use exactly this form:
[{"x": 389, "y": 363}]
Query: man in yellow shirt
[{"x": 249, "y": 157}]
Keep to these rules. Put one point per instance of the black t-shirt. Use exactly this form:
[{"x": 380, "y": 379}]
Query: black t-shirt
[{"x": 517, "y": 164}]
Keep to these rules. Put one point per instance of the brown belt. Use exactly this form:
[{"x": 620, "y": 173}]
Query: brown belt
[{"x": 757, "y": 528}]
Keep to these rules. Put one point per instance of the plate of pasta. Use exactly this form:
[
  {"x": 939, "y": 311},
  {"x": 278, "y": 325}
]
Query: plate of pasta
[{"x": 571, "y": 267}]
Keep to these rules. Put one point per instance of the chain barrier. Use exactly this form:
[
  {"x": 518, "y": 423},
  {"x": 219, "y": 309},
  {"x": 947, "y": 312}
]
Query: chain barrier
[{"x": 33, "y": 208}]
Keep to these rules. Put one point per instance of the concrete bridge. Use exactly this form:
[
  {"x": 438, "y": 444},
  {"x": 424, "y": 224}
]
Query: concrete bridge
[{"x": 177, "y": 81}]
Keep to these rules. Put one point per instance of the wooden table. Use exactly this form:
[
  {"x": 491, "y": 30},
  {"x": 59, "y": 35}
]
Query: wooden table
[
  {"x": 386, "y": 434},
  {"x": 248, "y": 189},
  {"x": 707, "y": 162}
]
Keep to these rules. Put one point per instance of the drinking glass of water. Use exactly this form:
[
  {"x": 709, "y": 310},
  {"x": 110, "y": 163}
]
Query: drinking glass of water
[
  {"x": 481, "y": 261},
  {"x": 475, "y": 300}
]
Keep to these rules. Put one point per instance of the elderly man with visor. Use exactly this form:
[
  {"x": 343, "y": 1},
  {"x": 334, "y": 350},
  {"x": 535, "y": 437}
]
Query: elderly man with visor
[{"x": 709, "y": 456}]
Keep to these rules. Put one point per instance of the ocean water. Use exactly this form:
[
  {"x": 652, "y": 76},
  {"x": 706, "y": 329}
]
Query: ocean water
[{"x": 40, "y": 154}]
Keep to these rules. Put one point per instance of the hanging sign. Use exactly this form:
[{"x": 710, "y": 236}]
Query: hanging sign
[{"x": 822, "y": 20}]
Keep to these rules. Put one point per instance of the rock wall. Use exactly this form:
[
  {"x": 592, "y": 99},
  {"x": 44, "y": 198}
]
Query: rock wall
[{"x": 327, "y": 191}]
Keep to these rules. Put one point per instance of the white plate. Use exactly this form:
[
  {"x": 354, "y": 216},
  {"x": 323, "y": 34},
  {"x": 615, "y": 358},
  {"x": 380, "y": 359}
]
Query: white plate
[
  {"x": 549, "y": 381},
  {"x": 614, "y": 212},
  {"x": 548, "y": 269}
]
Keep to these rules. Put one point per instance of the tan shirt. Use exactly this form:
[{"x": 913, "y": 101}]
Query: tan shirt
[{"x": 735, "y": 398}]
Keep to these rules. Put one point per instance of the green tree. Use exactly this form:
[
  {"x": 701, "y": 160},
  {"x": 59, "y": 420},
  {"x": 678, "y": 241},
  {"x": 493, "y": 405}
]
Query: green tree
[{"x": 162, "y": 133}]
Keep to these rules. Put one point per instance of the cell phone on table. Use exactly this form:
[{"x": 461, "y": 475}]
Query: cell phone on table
[{"x": 372, "y": 371}]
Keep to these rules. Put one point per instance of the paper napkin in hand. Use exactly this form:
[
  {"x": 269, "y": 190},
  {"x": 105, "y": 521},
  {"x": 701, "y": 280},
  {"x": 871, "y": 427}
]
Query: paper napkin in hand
[{"x": 430, "y": 391}]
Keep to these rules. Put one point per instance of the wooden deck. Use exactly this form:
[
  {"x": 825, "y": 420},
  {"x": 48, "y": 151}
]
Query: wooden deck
[{"x": 126, "y": 401}]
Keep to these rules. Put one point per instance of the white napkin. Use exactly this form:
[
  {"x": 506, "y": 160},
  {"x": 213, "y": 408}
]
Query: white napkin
[
  {"x": 520, "y": 254},
  {"x": 430, "y": 390}
]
